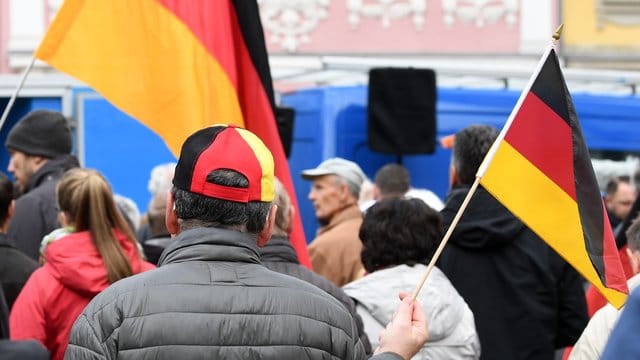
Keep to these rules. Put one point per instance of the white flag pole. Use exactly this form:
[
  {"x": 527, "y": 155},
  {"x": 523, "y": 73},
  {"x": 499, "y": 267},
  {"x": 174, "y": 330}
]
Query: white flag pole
[{"x": 12, "y": 100}]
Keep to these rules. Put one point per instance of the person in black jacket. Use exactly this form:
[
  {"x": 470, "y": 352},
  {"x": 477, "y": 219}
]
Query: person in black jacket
[
  {"x": 39, "y": 146},
  {"x": 211, "y": 297},
  {"x": 280, "y": 256},
  {"x": 17, "y": 350},
  {"x": 15, "y": 266},
  {"x": 527, "y": 301}
]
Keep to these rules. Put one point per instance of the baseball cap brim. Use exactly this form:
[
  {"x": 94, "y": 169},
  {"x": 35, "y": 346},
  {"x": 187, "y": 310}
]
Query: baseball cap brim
[{"x": 314, "y": 173}]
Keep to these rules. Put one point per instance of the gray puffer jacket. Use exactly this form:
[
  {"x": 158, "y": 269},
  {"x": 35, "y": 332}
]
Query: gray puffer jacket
[{"x": 211, "y": 298}]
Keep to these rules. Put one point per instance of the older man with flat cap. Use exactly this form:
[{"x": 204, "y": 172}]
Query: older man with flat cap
[{"x": 335, "y": 252}]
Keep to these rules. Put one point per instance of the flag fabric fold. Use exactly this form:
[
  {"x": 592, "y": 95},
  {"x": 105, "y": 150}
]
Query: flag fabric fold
[
  {"x": 175, "y": 66},
  {"x": 540, "y": 169}
]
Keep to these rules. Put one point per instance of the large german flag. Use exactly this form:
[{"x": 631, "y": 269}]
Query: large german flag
[
  {"x": 176, "y": 66},
  {"x": 540, "y": 169}
]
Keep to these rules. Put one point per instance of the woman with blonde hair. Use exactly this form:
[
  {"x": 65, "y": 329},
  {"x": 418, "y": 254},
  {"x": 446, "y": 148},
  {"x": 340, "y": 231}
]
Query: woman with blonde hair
[{"x": 99, "y": 250}]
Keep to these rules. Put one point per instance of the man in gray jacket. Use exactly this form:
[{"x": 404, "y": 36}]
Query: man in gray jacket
[{"x": 210, "y": 296}]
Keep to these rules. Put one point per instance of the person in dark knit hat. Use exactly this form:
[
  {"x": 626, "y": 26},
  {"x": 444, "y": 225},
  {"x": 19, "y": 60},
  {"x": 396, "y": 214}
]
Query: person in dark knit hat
[{"x": 40, "y": 152}]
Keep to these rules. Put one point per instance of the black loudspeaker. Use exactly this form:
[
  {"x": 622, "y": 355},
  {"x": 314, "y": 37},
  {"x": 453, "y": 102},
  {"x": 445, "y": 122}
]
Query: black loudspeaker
[
  {"x": 284, "y": 120},
  {"x": 402, "y": 111}
]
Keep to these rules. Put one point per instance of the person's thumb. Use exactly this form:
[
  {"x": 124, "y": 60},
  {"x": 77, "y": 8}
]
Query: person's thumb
[{"x": 405, "y": 310}]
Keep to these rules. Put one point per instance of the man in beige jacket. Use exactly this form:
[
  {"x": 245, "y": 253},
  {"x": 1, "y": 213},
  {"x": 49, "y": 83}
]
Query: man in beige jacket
[{"x": 335, "y": 252}]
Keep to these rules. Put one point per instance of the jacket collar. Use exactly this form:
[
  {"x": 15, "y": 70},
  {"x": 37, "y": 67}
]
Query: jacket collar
[
  {"x": 53, "y": 168},
  {"x": 279, "y": 249},
  {"x": 4, "y": 241},
  {"x": 211, "y": 244},
  {"x": 349, "y": 213}
]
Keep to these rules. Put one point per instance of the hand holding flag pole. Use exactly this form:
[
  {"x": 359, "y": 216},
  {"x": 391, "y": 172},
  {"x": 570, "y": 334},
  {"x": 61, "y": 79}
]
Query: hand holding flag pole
[{"x": 541, "y": 149}]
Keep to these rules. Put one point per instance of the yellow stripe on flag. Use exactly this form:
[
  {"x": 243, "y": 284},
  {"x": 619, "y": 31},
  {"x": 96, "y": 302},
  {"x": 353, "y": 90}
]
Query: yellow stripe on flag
[
  {"x": 138, "y": 70},
  {"x": 545, "y": 208}
]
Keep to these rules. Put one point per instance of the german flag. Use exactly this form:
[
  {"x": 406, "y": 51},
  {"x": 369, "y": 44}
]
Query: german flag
[
  {"x": 540, "y": 169},
  {"x": 176, "y": 66}
]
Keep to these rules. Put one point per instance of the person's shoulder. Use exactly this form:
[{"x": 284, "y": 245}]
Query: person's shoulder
[
  {"x": 25, "y": 349},
  {"x": 16, "y": 259},
  {"x": 298, "y": 285},
  {"x": 133, "y": 286},
  {"x": 308, "y": 276},
  {"x": 44, "y": 192}
]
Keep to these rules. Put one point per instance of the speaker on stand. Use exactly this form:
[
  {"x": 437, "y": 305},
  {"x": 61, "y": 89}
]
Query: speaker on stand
[{"x": 401, "y": 115}]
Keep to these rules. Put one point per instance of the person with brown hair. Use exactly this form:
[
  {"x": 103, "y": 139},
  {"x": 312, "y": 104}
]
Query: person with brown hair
[
  {"x": 399, "y": 237},
  {"x": 99, "y": 251}
]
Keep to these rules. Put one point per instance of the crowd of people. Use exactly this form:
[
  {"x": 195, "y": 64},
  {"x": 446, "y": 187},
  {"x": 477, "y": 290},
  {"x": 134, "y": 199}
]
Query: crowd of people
[{"x": 209, "y": 271}]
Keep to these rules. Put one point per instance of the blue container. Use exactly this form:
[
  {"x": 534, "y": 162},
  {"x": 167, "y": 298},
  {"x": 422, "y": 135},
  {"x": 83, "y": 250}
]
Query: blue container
[{"x": 332, "y": 121}]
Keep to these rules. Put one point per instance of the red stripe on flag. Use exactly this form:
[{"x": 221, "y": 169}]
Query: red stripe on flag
[
  {"x": 226, "y": 44},
  {"x": 198, "y": 16},
  {"x": 536, "y": 123},
  {"x": 613, "y": 272}
]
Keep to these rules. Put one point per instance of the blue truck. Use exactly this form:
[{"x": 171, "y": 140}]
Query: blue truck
[{"x": 329, "y": 121}]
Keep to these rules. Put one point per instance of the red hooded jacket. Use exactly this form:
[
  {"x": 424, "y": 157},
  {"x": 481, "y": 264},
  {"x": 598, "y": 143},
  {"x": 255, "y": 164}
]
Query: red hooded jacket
[{"x": 56, "y": 293}]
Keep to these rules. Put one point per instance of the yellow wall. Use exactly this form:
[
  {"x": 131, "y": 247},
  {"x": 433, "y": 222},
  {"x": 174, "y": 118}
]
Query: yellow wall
[{"x": 581, "y": 28}]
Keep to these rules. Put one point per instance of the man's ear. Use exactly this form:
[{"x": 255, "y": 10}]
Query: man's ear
[
  {"x": 634, "y": 261},
  {"x": 170, "y": 217},
  {"x": 265, "y": 234},
  {"x": 345, "y": 193},
  {"x": 39, "y": 160},
  {"x": 376, "y": 192},
  {"x": 453, "y": 176},
  {"x": 63, "y": 219},
  {"x": 10, "y": 210},
  {"x": 291, "y": 218}
]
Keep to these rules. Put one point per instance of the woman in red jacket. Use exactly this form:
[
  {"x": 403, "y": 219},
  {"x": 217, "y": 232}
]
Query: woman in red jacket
[{"x": 101, "y": 250}]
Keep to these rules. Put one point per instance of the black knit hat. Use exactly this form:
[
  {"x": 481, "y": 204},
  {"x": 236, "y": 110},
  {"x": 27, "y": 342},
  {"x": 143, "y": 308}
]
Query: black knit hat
[{"x": 41, "y": 132}]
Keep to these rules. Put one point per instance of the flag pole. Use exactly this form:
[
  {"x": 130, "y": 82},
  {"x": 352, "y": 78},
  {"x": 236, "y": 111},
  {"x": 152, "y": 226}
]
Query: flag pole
[
  {"x": 12, "y": 100},
  {"x": 446, "y": 237},
  {"x": 483, "y": 167}
]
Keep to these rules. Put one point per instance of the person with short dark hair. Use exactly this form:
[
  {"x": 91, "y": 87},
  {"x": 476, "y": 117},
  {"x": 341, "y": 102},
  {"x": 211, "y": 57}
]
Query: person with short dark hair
[
  {"x": 619, "y": 197},
  {"x": 40, "y": 152},
  {"x": 210, "y": 296},
  {"x": 527, "y": 301},
  {"x": 391, "y": 181},
  {"x": 15, "y": 266},
  {"x": 399, "y": 238},
  {"x": 394, "y": 181}
]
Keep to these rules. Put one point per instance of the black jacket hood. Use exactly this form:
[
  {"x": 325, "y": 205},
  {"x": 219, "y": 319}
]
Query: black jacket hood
[{"x": 485, "y": 223}]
